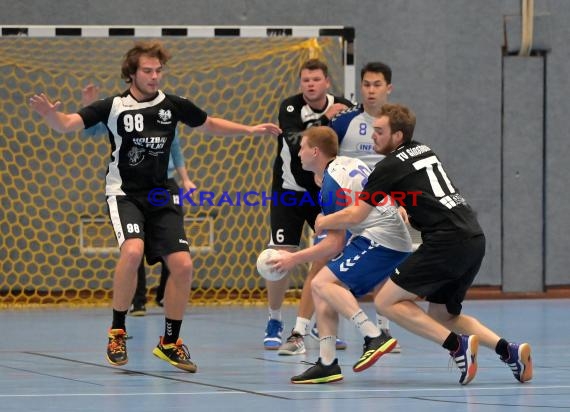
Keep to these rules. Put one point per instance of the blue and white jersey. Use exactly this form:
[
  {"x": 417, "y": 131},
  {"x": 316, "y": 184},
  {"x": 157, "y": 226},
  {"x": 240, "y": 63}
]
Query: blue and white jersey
[
  {"x": 343, "y": 180},
  {"x": 354, "y": 128}
]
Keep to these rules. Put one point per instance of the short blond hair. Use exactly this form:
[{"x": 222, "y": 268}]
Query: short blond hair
[{"x": 324, "y": 138}]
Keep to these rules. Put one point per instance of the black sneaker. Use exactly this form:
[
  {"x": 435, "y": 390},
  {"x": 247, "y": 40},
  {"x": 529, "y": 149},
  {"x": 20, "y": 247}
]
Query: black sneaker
[
  {"x": 176, "y": 354},
  {"x": 137, "y": 309},
  {"x": 320, "y": 373},
  {"x": 372, "y": 349},
  {"x": 386, "y": 333},
  {"x": 117, "y": 347}
]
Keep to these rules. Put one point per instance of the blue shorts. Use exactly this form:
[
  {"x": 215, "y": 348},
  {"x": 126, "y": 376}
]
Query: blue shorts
[{"x": 363, "y": 264}]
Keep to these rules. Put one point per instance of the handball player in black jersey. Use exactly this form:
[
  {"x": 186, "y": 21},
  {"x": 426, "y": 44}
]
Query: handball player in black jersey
[
  {"x": 141, "y": 123},
  {"x": 314, "y": 106},
  {"x": 445, "y": 265}
]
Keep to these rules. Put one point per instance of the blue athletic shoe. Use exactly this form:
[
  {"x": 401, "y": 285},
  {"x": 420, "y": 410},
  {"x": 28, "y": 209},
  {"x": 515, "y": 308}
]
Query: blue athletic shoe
[
  {"x": 340, "y": 344},
  {"x": 465, "y": 357},
  {"x": 272, "y": 339},
  {"x": 519, "y": 361}
]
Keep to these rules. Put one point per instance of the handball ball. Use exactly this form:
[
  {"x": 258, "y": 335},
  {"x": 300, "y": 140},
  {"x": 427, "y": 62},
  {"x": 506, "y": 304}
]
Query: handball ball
[{"x": 264, "y": 269}]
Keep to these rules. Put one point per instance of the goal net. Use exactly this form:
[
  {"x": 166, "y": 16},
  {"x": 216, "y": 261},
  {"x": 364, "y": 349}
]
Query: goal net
[{"x": 57, "y": 244}]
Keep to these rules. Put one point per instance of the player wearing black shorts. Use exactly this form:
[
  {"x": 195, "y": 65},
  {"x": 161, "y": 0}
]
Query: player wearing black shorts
[
  {"x": 312, "y": 107},
  {"x": 445, "y": 265},
  {"x": 141, "y": 123},
  {"x": 90, "y": 94}
]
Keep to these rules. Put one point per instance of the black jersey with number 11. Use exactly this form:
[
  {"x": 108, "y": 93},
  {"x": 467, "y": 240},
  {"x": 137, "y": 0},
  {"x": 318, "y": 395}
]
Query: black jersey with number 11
[{"x": 435, "y": 206}]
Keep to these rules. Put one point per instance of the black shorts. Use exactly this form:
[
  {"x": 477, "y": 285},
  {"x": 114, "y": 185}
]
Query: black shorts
[
  {"x": 441, "y": 271},
  {"x": 160, "y": 227},
  {"x": 289, "y": 212}
]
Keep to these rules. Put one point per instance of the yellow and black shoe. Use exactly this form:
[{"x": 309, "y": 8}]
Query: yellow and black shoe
[
  {"x": 319, "y": 373},
  {"x": 372, "y": 349},
  {"x": 117, "y": 347},
  {"x": 176, "y": 354}
]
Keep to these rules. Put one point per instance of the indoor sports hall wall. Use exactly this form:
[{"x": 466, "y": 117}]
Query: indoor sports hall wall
[
  {"x": 450, "y": 65},
  {"x": 58, "y": 243}
]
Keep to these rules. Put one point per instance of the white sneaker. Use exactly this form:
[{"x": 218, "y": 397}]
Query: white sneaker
[{"x": 295, "y": 345}]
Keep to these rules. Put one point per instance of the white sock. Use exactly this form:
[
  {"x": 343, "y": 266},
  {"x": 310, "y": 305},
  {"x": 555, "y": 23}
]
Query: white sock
[
  {"x": 275, "y": 314},
  {"x": 382, "y": 321},
  {"x": 302, "y": 326},
  {"x": 327, "y": 350},
  {"x": 363, "y": 324}
]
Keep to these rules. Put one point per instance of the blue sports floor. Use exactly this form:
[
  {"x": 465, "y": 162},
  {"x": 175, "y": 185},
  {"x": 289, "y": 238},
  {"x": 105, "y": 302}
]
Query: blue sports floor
[{"x": 54, "y": 360}]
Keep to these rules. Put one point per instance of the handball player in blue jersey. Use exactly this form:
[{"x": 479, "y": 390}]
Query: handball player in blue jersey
[{"x": 376, "y": 246}]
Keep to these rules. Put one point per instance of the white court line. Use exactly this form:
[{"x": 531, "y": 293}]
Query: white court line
[
  {"x": 72, "y": 395},
  {"x": 336, "y": 391},
  {"x": 470, "y": 389}
]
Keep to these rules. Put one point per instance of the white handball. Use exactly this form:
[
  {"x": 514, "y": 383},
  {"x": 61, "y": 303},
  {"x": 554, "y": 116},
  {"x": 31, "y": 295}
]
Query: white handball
[{"x": 264, "y": 269}]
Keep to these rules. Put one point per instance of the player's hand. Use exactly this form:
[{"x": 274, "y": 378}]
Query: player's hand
[
  {"x": 89, "y": 94},
  {"x": 283, "y": 262},
  {"x": 404, "y": 215},
  {"x": 265, "y": 128},
  {"x": 189, "y": 186},
  {"x": 43, "y": 105},
  {"x": 335, "y": 109}
]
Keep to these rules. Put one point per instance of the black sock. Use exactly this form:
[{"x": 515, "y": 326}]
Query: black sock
[
  {"x": 171, "y": 330},
  {"x": 452, "y": 342},
  {"x": 502, "y": 348},
  {"x": 119, "y": 319}
]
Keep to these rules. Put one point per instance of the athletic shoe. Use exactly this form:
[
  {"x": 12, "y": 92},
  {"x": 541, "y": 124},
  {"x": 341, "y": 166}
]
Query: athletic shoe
[
  {"x": 372, "y": 349},
  {"x": 273, "y": 332},
  {"x": 176, "y": 354},
  {"x": 465, "y": 357},
  {"x": 117, "y": 347},
  {"x": 137, "y": 309},
  {"x": 340, "y": 344},
  {"x": 314, "y": 333},
  {"x": 519, "y": 361},
  {"x": 386, "y": 333},
  {"x": 295, "y": 345},
  {"x": 320, "y": 373}
]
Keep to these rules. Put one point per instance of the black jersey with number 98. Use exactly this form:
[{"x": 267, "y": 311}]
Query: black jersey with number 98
[{"x": 140, "y": 134}]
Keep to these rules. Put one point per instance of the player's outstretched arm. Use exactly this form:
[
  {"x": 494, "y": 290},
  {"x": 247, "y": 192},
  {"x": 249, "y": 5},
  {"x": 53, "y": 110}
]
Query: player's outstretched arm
[
  {"x": 218, "y": 126},
  {"x": 58, "y": 121}
]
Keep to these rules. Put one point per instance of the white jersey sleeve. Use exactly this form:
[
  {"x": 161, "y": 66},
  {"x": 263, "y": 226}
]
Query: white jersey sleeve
[{"x": 344, "y": 179}]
